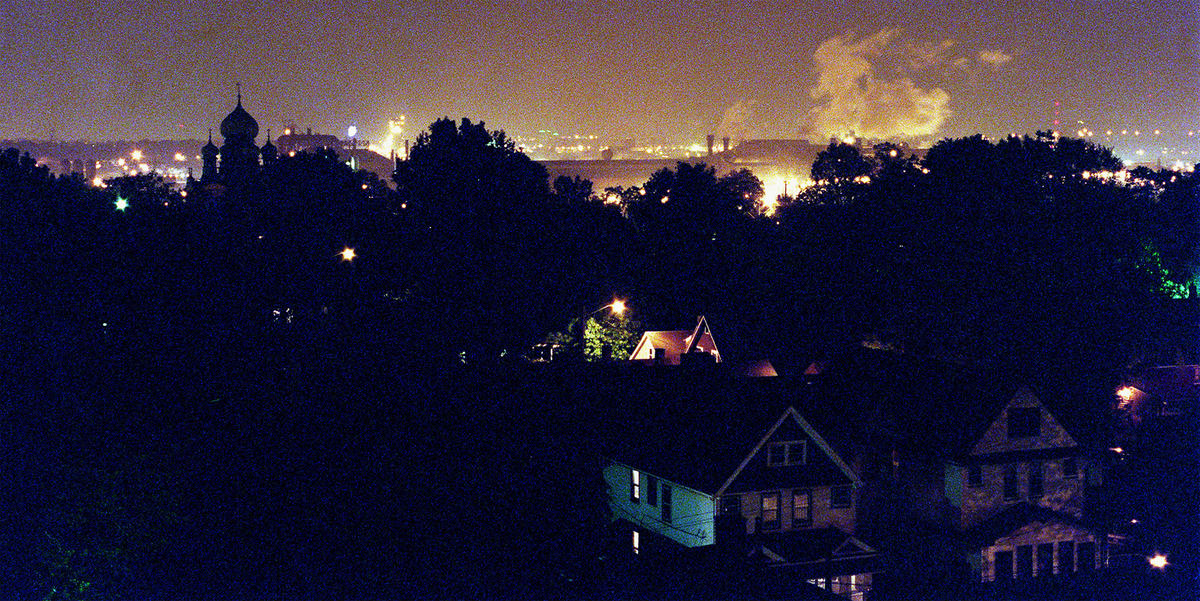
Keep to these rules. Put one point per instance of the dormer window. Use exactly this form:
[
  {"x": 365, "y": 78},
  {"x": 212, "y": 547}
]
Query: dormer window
[
  {"x": 1024, "y": 422},
  {"x": 791, "y": 452}
]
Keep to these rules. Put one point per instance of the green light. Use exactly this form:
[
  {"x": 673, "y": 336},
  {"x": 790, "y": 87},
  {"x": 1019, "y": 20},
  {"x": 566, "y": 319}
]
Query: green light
[{"x": 121, "y": 203}]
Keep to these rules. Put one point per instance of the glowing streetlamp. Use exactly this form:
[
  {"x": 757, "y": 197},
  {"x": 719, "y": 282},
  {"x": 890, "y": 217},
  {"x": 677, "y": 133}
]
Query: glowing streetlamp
[
  {"x": 121, "y": 203},
  {"x": 1158, "y": 561},
  {"x": 347, "y": 254},
  {"x": 618, "y": 306},
  {"x": 136, "y": 155}
]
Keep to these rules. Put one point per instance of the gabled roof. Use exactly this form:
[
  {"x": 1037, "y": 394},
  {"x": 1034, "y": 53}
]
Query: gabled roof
[
  {"x": 699, "y": 431},
  {"x": 1015, "y": 517},
  {"x": 926, "y": 407},
  {"x": 803, "y": 546},
  {"x": 678, "y": 342},
  {"x": 822, "y": 446}
]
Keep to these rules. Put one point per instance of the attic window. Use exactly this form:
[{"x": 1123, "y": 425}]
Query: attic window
[
  {"x": 1024, "y": 422},
  {"x": 791, "y": 452}
]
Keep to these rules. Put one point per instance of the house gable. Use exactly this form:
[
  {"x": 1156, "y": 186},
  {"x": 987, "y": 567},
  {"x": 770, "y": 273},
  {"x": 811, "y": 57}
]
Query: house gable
[
  {"x": 1033, "y": 428},
  {"x": 821, "y": 465}
]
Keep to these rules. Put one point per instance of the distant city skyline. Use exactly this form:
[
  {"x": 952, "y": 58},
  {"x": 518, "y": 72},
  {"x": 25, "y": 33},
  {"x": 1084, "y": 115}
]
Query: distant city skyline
[{"x": 666, "y": 71}]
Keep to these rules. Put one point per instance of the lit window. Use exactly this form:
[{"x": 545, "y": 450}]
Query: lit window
[
  {"x": 801, "y": 507},
  {"x": 637, "y": 542},
  {"x": 770, "y": 511},
  {"x": 792, "y": 452},
  {"x": 635, "y": 486}
]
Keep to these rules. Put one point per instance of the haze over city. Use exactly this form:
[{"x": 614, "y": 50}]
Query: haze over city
[{"x": 667, "y": 71}]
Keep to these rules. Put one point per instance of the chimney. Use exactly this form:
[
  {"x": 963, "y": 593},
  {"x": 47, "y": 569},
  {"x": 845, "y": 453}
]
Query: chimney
[
  {"x": 725, "y": 143},
  {"x": 710, "y": 143}
]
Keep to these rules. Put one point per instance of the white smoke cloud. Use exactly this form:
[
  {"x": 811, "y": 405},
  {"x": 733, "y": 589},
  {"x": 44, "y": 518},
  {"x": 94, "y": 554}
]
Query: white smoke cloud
[
  {"x": 852, "y": 98},
  {"x": 740, "y": 121}
]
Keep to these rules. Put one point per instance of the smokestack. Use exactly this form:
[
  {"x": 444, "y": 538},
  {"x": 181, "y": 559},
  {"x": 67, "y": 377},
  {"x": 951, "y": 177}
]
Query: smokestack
[
  {"x": 725, "y": 143},
  {"x": 711, "y": 138}
]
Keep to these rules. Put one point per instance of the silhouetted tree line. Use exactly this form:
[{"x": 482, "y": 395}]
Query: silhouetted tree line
[{"x": 204, "y": 397}]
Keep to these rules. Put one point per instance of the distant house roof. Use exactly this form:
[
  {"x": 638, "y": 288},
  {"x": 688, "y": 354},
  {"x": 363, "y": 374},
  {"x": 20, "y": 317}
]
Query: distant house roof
[{"x": 674, "y": 344}]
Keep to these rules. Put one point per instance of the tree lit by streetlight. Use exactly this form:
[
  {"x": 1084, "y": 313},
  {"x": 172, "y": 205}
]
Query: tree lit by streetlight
[
  {"x": 1158, "y": 561},
  {"x": 348, "y": 254}
]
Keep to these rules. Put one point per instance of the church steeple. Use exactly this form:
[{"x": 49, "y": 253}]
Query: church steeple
[
  {"x": 269, "y": 152},
  {"x": 209, "y": 154}
]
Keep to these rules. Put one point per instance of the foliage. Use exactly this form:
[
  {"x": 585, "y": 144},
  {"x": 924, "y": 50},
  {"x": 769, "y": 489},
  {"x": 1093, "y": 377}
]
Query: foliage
[{"x": 610, "y": 337}]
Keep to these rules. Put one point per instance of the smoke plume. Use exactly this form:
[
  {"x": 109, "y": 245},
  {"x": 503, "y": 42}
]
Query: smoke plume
[
  {"x": 740, "y": 121},
  {"x": 851, "y": 97}
]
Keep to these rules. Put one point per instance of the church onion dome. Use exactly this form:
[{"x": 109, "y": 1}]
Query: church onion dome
[
  {"x": 239, "y": 125},
  {"x": 269, "y": 144},
  {"x": 210, "y": 148}
]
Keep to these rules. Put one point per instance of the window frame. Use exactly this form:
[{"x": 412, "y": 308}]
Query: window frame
[
  {"x": 1036, "y": 473},
  {"x": 668, "y": 504},
  {"x": 651, "y": 490},
  {"x": 777, "y": 522},
  {"x": 974, "y": 476},
  {"x": 788, "y": 452},
  {"x": 731, "y": 505},
  {"x": 806, "y": 494},
  {"x": 1073, "y": 474},
  {"x": 1012, "y": 488}
]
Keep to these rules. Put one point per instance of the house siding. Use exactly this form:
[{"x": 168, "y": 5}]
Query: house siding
[
  {"x": 823, "y": 515},
  {"x": 981, "y": 502},
  {"x": 691, "y": 511}
]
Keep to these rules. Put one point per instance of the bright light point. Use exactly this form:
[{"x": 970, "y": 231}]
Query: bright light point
[
  {"x": 1117, "y": 450},
  {"x": 1133, "y": 521},
  {"x": 1158, "y": 561},
  {"x": 136, "y": 155},
  {"x": 348, "y": 254},
  {"x": 352, "y": 131},
  {"x": 121, "y": 204},
  {"x": 1126, "y": 393},
  {"x": 179, "y": 157},
  {"x": 618, "y": 307},
  {"x": 98, "y": 182},
  {"x": 121, "y": 162}
]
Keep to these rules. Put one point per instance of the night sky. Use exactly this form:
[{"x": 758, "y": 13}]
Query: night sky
[{"x": 665, "y": 70}]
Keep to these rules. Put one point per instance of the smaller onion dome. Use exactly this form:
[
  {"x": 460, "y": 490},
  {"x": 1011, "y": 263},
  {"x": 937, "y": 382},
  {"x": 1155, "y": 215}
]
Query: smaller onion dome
[{"x": 210, "y": 148}]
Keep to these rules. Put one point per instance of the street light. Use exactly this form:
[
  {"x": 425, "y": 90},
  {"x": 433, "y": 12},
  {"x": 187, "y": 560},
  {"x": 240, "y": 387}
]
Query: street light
[
  {"x": 347, "y": 254},
  {"x": 1158, "y": 561}
]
